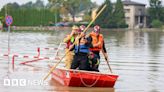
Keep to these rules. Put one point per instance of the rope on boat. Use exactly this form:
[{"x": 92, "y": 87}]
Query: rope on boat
[{"x": 98, "y": 77}]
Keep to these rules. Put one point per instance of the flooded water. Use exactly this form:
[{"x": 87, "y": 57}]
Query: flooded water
[{"x": 136, "y": 56}]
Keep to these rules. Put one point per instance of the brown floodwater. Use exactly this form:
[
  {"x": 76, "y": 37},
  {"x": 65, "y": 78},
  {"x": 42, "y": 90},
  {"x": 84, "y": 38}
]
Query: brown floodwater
[{"x": 136, "y": 56}]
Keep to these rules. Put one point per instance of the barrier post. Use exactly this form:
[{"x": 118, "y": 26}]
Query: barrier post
[{"x": 38, "y": 52}]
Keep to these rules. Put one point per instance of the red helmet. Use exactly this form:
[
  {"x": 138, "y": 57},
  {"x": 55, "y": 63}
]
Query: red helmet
[
  {"x": 97, "y": 29},
  {"x": 82, "y": 27}
]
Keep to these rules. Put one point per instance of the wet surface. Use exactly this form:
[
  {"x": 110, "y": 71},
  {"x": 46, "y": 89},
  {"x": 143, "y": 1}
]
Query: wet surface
[{"x": 136, "y": 56}]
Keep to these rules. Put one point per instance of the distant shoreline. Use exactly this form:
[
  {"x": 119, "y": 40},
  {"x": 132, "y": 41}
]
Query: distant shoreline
[{"x": 53, "y": 28}]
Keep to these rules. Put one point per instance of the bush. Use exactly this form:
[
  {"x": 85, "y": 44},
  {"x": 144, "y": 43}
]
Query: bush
[
  {"x": 156, "y": 24},
  {"x": 123, "y": 26},
  {"x": 32, "y": 16}
]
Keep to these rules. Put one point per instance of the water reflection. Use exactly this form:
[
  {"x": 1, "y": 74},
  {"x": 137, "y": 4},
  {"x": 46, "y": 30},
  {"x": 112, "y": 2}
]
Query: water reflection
[
  {"x": 58, "y": 87},
  {"x": 155, "y": 40}
]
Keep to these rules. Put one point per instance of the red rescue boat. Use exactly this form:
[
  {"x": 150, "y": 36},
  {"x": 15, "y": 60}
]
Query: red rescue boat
[{"x": 79, "y": 78}]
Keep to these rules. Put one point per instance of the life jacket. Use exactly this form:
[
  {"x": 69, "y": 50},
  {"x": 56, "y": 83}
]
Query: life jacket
[
  {"x": 95, "y": 40},
  {"x": 70, "y": 42},
  {"x": 81, "y": 49}
]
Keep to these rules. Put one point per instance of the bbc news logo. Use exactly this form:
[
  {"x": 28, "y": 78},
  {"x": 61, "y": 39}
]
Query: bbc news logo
[{"x": 23, "y": 82}]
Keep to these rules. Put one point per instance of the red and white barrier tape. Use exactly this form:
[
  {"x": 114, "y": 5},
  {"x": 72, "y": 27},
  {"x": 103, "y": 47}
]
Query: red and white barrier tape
[
  {"x": 39, "y": 48},
  {"x": 36, "y": 58},
  {"x": 26, "y": 56}
]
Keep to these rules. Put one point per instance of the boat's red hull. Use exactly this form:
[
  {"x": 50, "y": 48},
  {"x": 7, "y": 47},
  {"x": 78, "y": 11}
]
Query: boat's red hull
[{"x": 77, "y": 78}]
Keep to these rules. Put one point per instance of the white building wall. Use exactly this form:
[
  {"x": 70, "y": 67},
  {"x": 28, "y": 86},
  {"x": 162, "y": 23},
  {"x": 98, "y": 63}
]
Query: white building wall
[{"x": 130, "y": 12}]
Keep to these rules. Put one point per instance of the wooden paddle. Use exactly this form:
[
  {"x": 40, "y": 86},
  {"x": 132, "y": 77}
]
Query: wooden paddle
[
  {"x": 106, "y": 59},
  {"x": 109, "y": 65},
  {"x": 73, "y": 43}
]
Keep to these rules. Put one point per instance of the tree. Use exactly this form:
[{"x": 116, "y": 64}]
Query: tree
[
  {"x": 27, "y": 5},
  {"x": 29, "y": 14},
  {"x": 156, "y": 24},
  {"x": 105, "y": 18},
  {"x": 119, "y": 15},
  {"x": 162, "y": 19},
  {"x": 9, "y": 7},
  {"x": 72, "y": 6},
  {"x": 155, "y": 10},
  {"x": 39, "y": 4}
]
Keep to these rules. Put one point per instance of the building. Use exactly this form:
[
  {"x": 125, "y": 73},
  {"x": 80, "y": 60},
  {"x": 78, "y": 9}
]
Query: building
[
  {"x": 78, "y": 17},
  {"x": 135, "y": 14}
]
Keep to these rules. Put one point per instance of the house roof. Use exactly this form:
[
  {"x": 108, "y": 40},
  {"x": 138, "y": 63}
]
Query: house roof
[{"x": 129, "y": 2}]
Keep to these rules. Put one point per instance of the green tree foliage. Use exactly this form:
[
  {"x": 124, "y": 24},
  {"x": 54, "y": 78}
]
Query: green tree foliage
[
  {"x": 32, "y": 17},
  {"x": 30, "y": 14},
  {"x": 162, "y": 19},
  {"x": 156, "y": 11},
  {"x": 39, "y": 4},
  {"x": 111, "y": 17},
  {"x": 156, "y": 23},
  {"x": 119, "y": 14},
  {"x": 73, "y": 7},
  {"x": 28, "y": 5},
  {"x": 105, "y": 18}
]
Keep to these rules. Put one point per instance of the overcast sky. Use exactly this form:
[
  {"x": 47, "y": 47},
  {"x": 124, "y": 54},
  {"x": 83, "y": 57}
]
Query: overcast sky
[{"x": 3, "y": 2}]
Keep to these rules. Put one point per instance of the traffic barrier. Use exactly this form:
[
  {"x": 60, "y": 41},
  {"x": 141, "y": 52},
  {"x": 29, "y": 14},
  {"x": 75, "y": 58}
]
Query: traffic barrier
[
  {"x": 28, "y": 57},
  {"x": 36, "y": 58}
]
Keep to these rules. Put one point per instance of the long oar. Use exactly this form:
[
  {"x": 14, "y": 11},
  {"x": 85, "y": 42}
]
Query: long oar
[
  {"x": 52, "y": 68},
  {"x": 74, "y": 43},
  {"x": 109, "y": 65},
  {"x": 95, "y": 18}
]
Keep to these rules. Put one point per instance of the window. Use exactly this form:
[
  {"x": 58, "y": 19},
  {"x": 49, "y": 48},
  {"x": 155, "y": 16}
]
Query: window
[
  {"x": 126, "y": 10},
  {"x": 140, "y": 11},
  {"x": 127, "y": 19}
]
